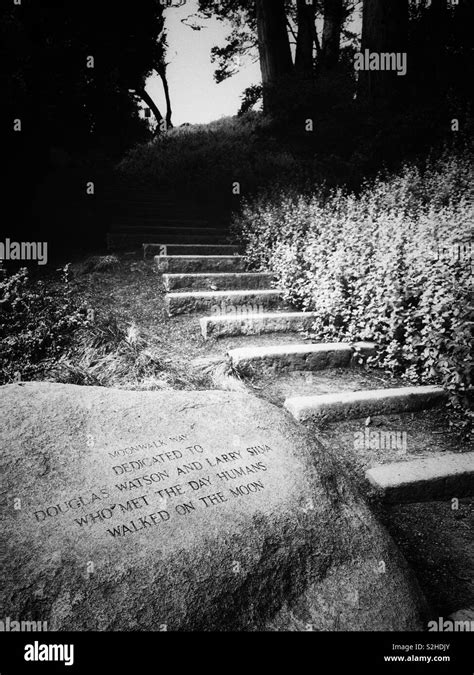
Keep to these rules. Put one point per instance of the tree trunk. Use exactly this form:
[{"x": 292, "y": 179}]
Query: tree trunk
[
  {"x": 304, "y": 64},
  {"x": 384, "y": 30},
  {"x": 164, "y": 79},
  {"x": 146, "y": 98},
  {"x": 331, "y": 43},
  {"x": 274, "y": 47}
]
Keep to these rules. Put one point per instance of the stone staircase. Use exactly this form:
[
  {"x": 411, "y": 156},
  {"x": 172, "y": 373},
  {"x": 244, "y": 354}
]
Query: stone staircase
[
  {"x": 151, "y": 250},
  {"x": 240, "y": 302},
  {"x": 143, "y": 217},
  {"x": 208, "y": 279},
  {"x": 230, "y": 301},
  {"x": 207, "y": 276}
]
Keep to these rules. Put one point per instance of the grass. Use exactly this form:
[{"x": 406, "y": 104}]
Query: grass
[
  {"x": 128, "y": 344},
  {"x": 128, "y": 341}
]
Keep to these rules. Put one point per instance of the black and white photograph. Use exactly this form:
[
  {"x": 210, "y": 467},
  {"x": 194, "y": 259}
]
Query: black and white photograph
[{"x": 236, "y": 334}]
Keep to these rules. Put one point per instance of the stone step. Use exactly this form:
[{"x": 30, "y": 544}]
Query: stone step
[
  {"x": 126, "y": 211},
  {"x": 125, "y": 206},
  {"x": 217, "y": 281},
  {"x": 151, "y": 250},
  {"x": 188, "y": 264},
  {"x": 126, "y": 195},
  {"x": 157, "y": 224},
  {"x": 137, "y": 201},
  {"x": 140, "y": 199},
  {"x": 446, "y": 476},
  {"x": 355, "y": 404},
  {"x": 167, "y": 236},
  {"x": 186, "y": 227},
  {"x": 154, "y": 206},
  {"x": 255, "y": 324},
  {"x": 220, "y": 301},
  {"x": 291, "y": 357},
  {"x": 169, "y": 218}
]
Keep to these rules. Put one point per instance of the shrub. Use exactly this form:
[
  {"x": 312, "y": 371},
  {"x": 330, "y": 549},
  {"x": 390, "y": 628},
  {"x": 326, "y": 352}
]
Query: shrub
[
  {"x": 37, "y": 322},
  {"x": 205, "y": 160},
  {"x": 381, "y": 266}
]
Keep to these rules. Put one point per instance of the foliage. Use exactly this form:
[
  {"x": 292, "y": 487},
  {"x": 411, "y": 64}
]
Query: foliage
[
  {"x": 242, "y": 40},
  {"x": 37, "y": 323},
  {"x": 64, "y": 102},
  {"x": 383, "y": 265},
  {"x": 251, "y": 96},
  {"x": 206, "y": 160},
  {"x": 49, "y": 331}
]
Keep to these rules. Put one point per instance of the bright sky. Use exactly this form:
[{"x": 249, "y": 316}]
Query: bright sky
[{"x": 195, "y": 96}]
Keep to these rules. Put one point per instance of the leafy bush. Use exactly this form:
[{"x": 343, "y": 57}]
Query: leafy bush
[
  {"x": 383, "y": 265},
  {"x": 37, "y": 322},
  {"x": 206, "y": 159}
]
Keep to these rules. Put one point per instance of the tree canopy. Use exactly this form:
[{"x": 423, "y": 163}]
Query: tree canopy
[
  {"x": 75, "y": 65},
  {"x": 302, "y": 43}
]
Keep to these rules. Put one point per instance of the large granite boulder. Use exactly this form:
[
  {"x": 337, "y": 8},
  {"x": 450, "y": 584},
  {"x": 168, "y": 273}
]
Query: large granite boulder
[{"x": 185, "y": 511}]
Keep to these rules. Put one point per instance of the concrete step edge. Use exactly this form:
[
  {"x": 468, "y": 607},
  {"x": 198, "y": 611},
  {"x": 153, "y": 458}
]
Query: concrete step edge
[
  {"x": 223, "y": 294},
  {"x": 164, "y": 258},
  {"x": 353, "y": 405},
  {"x": 297, "y": 356},
  {"x": 217, "y": 275},
  {"x": 250, "y": 323},
  {"x": 424, "y": 479},
  {"x": 205, "y": 301}
]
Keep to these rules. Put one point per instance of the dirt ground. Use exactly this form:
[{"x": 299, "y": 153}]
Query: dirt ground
[{"x": 438, "y": 543}]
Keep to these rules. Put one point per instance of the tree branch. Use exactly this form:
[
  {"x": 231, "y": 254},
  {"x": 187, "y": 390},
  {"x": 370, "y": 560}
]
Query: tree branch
[
  {"x": 164, "y": 79},
  {"x": 316, "y": 39},
  {"x": 146, "y": 98},
  {"x": 291, "y": 29}
]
